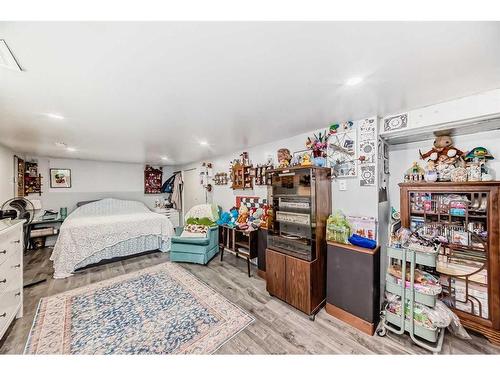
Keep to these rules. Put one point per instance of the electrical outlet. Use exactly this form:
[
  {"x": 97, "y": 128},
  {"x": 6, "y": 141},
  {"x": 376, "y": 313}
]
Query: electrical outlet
[{"x": 342, "y": 185}]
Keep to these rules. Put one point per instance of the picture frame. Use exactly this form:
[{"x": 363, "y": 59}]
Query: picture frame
[{"x": 60, "y": 178}]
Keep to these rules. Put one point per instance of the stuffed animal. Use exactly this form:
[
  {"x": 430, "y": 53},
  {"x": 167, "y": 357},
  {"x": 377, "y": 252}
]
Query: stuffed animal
[
  {"x": 242, "y": 216},
  {"x": 234, "y": 217},
  {"x": 284, "y": 158},
  {"x": 443, "y": 151},
  {"x": 225, "y": 218}
]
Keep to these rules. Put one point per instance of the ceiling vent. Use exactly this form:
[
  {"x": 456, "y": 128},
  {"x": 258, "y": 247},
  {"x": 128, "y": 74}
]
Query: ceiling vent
[{"x": 7, "y": 59}]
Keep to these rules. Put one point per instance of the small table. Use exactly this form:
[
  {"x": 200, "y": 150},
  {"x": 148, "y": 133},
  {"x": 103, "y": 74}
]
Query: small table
[
  {"x": 37, "y": 223},
  {"x": 243, "y": 243}
]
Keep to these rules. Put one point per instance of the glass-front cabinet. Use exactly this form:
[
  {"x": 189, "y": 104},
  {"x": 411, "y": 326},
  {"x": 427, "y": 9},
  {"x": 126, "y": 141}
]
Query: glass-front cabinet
[
  {"x": 464, "y": 218},
  {"x": 293, "y": 226}
]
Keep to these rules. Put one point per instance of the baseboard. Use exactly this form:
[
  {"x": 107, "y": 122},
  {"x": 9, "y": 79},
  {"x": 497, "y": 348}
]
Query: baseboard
[
  {"x": 352, "y": 320},
  {"x": 261, "y": 274}
]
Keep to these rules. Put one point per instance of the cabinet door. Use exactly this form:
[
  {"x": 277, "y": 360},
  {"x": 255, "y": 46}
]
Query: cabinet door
[
  {"x": 275, "y": 274},
  {"x": 298, "y": 291}
]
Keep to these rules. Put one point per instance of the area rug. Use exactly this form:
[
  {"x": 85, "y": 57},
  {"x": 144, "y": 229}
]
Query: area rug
[{"x": 159, "y": 310}]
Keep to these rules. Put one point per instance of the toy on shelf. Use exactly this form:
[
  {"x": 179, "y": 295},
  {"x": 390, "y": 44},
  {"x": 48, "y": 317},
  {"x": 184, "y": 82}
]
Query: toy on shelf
[
  {"x": 306, "y": 160},
  {"x": 414, "y": 173},
  {"x": 443, "y": 151},
  {"x": 476, "y": 169},
  {"x": 442, "y": 159},
  {"x": 284, "y": 158}
]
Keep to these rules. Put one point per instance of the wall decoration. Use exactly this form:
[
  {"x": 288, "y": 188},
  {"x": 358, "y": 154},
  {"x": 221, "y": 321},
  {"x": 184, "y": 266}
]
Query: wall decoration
[
  {"x": 241, "y": 175},
  {"x": 221, "y": 178},
  {"x": 367, "y": 175},
  {"x": 367, "y": 151},
  {"x": 259, "y": 173},
  {"x": 342, "y": 153},
  {"x": 61, "y": 178},
  {"x": 152, "y": 180},
  {"x": 396, "y": 122}
]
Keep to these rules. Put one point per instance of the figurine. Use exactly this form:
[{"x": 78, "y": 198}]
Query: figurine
[
  {"x": 284, "y": 158},
  {"x": 306, "y": 160},
  {"x": 415, "y": 173},
  {"x": 477, "y": 159},
  {"x": 479, "y": 153}
]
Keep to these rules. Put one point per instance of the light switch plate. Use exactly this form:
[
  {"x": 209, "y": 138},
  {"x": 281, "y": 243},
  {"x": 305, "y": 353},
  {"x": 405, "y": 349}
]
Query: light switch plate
[{"x": 342, "y": 185}]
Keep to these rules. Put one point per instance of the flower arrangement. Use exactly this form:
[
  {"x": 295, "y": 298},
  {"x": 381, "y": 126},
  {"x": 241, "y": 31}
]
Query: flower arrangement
[{"x": 318, "y": 144}]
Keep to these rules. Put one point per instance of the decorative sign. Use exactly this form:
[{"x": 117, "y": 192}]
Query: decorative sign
[
  {"x": 396, "y": 122},
  {"x": 367, "y": 151}
]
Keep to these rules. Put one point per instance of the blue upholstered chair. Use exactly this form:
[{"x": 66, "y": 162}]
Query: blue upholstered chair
[{"x": 195, "y": 249}]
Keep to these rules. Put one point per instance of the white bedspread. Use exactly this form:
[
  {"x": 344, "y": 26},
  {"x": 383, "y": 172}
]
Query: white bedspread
[{"x": 98, "y": 225}]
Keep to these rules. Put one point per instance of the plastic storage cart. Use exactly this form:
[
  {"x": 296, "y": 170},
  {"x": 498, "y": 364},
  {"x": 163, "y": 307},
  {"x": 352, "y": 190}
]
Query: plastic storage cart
[{"x": 398, "y": 324}]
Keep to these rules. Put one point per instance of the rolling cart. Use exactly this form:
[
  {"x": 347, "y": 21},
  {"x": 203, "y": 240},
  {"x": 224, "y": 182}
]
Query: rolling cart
[{"x": 398, "y": 324}]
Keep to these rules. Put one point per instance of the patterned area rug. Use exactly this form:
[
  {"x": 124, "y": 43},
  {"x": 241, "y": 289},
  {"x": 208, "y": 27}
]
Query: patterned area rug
[{"x": 159, "y": 310}]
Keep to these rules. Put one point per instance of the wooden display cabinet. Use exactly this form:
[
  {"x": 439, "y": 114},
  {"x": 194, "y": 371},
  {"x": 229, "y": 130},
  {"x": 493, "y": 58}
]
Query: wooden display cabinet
[
  {"x": 296, "y": 243},
  {"x": 241, "y": 176},
  {"x": 466, "y": 218}
]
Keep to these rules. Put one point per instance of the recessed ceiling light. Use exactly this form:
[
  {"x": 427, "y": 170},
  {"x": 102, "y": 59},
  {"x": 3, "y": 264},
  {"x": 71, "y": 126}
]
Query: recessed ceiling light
[
  {"x": 204, "y": 143},
  {"x": 354, "y": 81},
  {"x": 60, "y": 144},
  {"x": 56, "y": 116},
  {"x": 164, "y": 158},
  {"x": 70, "y": 149}
]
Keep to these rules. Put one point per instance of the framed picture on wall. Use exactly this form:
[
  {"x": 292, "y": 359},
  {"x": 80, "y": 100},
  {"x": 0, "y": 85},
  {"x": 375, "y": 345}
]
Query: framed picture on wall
[{"x": 60, "y": 178}]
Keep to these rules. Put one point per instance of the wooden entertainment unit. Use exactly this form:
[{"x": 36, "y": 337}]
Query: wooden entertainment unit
[{"x": 296, "y": 243}]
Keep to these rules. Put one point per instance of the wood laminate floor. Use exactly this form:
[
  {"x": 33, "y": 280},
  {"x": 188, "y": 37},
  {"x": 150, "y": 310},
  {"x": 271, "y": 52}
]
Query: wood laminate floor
[{"x": 278, "y": 328}]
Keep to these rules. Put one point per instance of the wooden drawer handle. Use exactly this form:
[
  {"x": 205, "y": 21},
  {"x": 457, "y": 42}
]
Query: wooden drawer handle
[
  {"x": 3, "y": 315},
  {"x": 3, "y": 281},
  {"x": 3, "y": 252}
]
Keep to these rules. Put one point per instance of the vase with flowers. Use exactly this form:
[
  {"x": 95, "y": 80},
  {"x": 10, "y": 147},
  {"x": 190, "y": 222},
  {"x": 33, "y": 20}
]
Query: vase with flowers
[{"x": 318, "y": 145}]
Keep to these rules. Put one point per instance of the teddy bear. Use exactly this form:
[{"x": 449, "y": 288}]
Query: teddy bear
[{"x": 443, "y": 151}]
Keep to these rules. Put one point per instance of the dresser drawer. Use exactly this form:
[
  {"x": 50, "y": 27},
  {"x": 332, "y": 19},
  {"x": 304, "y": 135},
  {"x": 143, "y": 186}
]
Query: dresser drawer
[
  {"x": 9, "y": 304},
  {"x": 11, "y": 273},
  {"x": 10, "y": 243}
]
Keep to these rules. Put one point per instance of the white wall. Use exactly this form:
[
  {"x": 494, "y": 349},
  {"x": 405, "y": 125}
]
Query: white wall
[
  {"x": 356, "y": 200},
  {"x": 6, "y": 174},
  {"x": 93, "y": 180},
  {"x": 402, "y": 156}
]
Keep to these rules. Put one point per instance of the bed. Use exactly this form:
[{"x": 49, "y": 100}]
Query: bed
[{"x": 106, "y": 229}]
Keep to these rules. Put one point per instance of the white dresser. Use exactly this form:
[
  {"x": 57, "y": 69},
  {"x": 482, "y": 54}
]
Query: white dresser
[
  {"x": 172, "y": 214},
  {"x": 11, "y": 272}
]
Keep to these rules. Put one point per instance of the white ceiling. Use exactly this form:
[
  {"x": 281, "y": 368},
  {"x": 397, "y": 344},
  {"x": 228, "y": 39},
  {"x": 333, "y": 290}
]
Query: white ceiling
[{"x": 134, "y": 92}]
